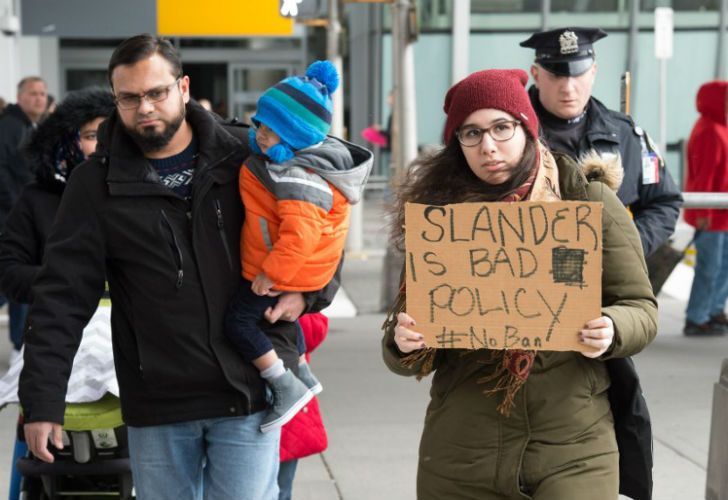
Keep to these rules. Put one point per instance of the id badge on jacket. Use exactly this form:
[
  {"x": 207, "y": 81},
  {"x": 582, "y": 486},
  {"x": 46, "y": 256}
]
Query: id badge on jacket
[
  {"x": 650, "y": 168},
  {"x": 650, "y": 159}
]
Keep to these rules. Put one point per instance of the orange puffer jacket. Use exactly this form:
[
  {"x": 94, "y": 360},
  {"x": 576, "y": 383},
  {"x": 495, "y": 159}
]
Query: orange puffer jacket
[{"x": 297, "y": 213}]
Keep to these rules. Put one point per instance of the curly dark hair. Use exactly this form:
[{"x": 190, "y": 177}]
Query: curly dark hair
[{"x": 444, "y": 177}]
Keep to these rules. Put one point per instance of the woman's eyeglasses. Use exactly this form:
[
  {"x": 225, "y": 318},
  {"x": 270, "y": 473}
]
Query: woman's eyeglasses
[
  {"x": 133, "y": 101},
  {"x": 470, "y": 136}
]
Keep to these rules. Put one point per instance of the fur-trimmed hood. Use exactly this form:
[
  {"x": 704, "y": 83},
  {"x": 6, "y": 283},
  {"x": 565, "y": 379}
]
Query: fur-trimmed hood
[
  {"x": 77, "y": 108},
  {"x": 602, "y": 169},
  {"x": 591, "y": 166}
]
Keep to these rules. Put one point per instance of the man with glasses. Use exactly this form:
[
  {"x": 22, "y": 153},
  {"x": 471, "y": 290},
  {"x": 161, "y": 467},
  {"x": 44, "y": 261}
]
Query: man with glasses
[
  {"x": 156, "y": 212},
  {"x": 575, "y": 123}
]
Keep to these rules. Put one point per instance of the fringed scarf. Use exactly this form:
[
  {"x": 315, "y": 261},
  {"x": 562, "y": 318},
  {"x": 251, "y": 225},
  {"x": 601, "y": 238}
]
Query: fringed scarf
[{"x": 513, "y": 366}]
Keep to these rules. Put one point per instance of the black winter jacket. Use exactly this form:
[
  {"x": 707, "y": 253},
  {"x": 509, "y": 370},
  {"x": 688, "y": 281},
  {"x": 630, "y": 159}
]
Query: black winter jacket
[
  {"x": 22, "y": 243},
  {"x": 655, "y": 207},
  {"x": 171, "y": 272},
  {"x": 15, "y": 129}
]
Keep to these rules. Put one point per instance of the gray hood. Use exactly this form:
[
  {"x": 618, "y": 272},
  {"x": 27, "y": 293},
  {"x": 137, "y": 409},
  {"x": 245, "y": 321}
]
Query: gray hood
[{"x": 343, "y": 164}]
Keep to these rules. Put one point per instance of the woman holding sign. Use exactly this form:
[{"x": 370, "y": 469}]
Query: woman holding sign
[{"x": 520, "y": 423}]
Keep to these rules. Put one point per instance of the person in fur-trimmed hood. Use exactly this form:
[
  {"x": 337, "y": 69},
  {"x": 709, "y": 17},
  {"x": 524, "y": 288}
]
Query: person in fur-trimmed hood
[
  {"x": 297, "y": 188},
  {"x": 514, "y": 424},
  {"x": 59, "y": 144}
]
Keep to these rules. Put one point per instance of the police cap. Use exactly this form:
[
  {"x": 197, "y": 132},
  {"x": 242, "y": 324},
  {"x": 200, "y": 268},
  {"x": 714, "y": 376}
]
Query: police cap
[{"x": 565, "y": 51}]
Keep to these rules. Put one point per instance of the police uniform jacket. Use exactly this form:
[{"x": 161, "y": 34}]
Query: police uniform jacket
[
  {"x": 655, "y": 207},
  {"x": 171, "y": 270}
]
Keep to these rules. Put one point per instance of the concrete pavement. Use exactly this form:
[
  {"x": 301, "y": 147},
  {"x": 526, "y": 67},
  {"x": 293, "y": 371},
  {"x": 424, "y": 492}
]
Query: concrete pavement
[{"x": 374, "y": 418}]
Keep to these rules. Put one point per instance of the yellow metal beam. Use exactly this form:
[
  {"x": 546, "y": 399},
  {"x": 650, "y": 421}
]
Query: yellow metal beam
[{"x": 222, "y": 18}]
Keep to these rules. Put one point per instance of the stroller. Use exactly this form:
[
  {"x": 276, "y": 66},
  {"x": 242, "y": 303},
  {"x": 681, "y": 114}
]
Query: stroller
[{"x": 94, "y": 461}]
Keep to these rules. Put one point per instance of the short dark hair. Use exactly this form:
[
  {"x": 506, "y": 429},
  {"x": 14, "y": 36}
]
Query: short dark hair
[
  {"x": 26, "y": 80},
  {"x": 139, "y": 47}
]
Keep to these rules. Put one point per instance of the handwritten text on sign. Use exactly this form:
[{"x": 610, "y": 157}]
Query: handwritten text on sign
[{"x": 504, "y": 275}]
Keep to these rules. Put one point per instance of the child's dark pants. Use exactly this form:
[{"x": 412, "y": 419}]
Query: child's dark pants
[{"x": 243, "y": 320}]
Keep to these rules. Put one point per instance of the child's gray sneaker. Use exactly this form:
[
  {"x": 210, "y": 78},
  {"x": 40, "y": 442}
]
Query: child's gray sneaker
[
  {"x": 289, "y": 396},
  {"x": 308, "y": 378}
]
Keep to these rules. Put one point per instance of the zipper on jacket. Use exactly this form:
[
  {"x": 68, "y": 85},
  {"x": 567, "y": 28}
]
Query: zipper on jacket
[
  {"x": 201, "y": 190},
  {"x": 221, "y": 230},
  {"x": 177, "y": 250}
]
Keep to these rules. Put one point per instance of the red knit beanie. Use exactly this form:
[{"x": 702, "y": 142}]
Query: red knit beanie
[{"x": 502, "y": 89}]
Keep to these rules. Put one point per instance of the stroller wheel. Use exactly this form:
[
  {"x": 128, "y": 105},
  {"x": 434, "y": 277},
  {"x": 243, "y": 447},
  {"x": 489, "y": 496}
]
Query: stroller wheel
[{"x": 32, "y": 489}]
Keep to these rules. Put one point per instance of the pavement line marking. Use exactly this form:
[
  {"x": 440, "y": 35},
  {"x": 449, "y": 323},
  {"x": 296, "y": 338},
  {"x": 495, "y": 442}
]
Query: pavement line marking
[
  {"x": 331, "y": 476},
  {"x": 678, "y": 452}
]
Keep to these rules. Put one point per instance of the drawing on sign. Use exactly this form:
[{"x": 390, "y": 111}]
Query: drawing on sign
[{"x": 568, "y": 265}]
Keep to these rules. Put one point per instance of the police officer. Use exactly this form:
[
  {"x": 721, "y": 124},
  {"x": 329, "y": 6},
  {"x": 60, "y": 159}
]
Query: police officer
[{"x": 575, "y": 123}]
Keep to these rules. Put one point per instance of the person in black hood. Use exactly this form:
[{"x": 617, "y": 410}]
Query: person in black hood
[{"x": 59, "y": 144}]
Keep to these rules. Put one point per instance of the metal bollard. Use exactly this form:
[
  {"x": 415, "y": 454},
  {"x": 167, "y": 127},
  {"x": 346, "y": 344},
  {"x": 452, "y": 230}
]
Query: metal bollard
[{"x": 717, "y": 482}]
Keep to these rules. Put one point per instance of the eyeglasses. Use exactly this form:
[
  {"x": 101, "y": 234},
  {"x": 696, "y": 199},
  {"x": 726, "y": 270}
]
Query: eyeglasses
[
  {"x": 133, "y": 101},
  {"x": 470, "y": 136}
]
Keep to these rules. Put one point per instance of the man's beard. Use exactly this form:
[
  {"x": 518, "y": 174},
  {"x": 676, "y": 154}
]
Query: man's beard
[{"x": 150, "y": 141}]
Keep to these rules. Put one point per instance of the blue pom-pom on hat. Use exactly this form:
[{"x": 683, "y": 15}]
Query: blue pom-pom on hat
[
  {"x": 298, "y": 109},
  {"x": 325, "y": 73}
]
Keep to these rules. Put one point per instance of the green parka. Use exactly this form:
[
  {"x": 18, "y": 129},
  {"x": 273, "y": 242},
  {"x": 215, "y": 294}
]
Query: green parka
[{"x": 558, "y": 442}]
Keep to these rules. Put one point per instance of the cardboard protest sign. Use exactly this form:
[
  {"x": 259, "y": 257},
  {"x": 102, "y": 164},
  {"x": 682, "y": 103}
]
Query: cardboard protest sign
[{"x": 521, "y": 275}]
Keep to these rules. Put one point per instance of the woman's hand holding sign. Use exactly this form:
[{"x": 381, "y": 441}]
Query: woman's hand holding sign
[
  {"x": 599, "y": 334},
  {"x": 407, "y": 340}
]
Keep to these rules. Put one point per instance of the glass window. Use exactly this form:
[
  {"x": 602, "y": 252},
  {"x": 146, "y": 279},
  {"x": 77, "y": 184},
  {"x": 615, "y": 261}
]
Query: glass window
[
  {"x": 257, "y": 80},
  {"x": 431, "y": 15},
  {"x": 682, "y": 5},
  {"x": 584, "y": 6},
  {"x": 504, "y": 6},
  {"x": 504, "y": 15},
  {"x": 80, "y": 78}
]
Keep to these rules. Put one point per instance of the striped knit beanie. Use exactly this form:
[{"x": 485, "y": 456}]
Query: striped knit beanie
[
  {"x": 502, "y": 89},
  {"x": 298, "y": 110}
]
